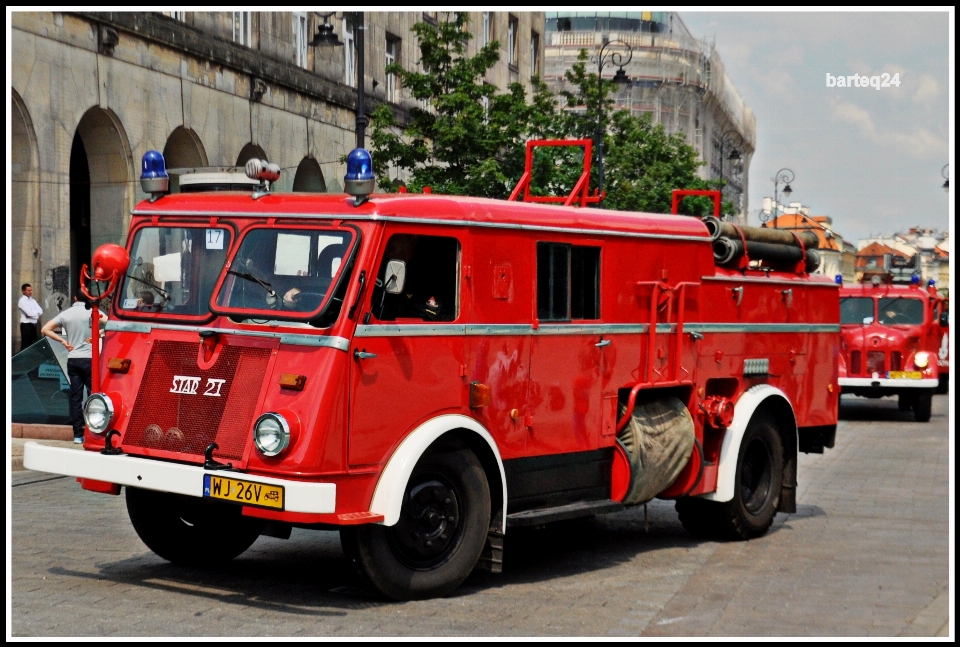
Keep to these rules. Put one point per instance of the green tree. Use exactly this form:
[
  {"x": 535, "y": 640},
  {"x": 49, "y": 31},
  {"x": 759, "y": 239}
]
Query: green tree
[{"x": 467, "y": 140}]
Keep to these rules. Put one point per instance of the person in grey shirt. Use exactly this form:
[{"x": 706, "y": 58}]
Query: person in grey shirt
[{"x": 74, "y": 323}]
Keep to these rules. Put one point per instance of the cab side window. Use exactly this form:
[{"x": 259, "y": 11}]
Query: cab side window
[
  {"x": 430, "y": 290},
  {"x": 568, "y": 282}
]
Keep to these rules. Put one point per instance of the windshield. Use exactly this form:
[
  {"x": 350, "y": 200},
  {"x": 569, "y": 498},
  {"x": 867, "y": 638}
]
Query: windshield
[
  {"x": 900, "y": 310},
  {"x": 173, "y": 270},
  {"x": 856, "y": 310},
  {"x": 284, "y": 273}
]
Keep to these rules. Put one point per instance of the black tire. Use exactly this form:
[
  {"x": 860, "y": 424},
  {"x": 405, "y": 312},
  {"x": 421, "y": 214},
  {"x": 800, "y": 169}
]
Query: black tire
[
  {"x": 756, "y": 494},
  {"x": 905, "y": 401},
  {"x": 189, "y": 530},
  {"x": 442, "y": 529},
  {"x": 944, "y": 385},
  {"x": 923, "y": 407}
]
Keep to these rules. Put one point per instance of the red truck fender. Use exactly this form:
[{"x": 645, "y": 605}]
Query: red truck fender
[
  {"x": 748, "y": 403},
  {"x": 388, "y": 495}
]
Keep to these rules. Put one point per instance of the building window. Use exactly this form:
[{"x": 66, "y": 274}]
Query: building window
[
  {"x": 349, "y": 53},
  {"x": 176, "y": 15},
  {"x": 393, "y": 56},
  {"x": 485, "y": 102},
  {"x": 534, "y": 50},
  {"x": 512, "y": 52},
  {"x": 430, "y": 17},
  {"x": 243, "y": 28},
  {"x": 568, "y": 282},
  {"x": 301, "y": 37},
  {"x": 486, "y": 31}
]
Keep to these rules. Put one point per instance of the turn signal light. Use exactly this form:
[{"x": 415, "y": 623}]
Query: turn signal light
[
  {"x": 118, "y": 365},
  {"x": 479, "y": 395},
  {"x": 292, "y": 381}
]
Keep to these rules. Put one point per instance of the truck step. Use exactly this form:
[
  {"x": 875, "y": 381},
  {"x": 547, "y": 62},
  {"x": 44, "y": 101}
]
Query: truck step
[{"x": 559, "y": 513}]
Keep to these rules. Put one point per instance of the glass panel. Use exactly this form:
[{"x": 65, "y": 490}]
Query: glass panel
[
  {"x": 290, "y": 270},
  {"x": 430, "y": 291},
  {"x": 585, "y": 283},
  {"x": 898, "y": 310},
  {"x": 40, "y": 390},
  {"x": 854, "y": 310},
  {"x": 173, "y": 270},
  {"x": 553, "y": 282}
]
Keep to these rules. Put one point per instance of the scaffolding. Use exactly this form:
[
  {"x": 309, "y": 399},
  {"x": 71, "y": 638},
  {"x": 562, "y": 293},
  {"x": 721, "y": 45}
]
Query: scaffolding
[{"x": 678, "y": 79}]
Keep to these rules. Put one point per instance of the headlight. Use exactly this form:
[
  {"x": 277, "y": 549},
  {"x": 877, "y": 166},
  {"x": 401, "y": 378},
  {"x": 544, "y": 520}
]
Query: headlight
[
  {"x": 921, "y": 359},
  {"x": 271, "y": 433},
  {"x": 98, "y": 412}
]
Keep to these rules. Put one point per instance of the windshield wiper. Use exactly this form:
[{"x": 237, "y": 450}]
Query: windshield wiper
[
  {"x": 159, "y": 290},
  {"x": 256, "y": 279}
]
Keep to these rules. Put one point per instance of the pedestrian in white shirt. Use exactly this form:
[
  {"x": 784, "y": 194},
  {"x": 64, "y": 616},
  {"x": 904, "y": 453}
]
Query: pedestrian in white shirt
[
  {"x": 76, "y": 337},
  {"x": 30, "y": 313}
]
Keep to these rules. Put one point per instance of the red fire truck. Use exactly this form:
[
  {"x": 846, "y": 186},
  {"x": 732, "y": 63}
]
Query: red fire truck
[
  {"x": 424, "y": 372},
  {"x": 891, "y": 341}
]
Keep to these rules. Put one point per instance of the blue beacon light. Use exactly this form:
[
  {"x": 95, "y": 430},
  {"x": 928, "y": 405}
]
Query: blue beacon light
[
  {"x": 914, "y": 280},
  {"x": 359, "y": 180},
  {"x": 931, "y": 283},
  {"x": 838, "y": 279},
  {"x": 154, "y": 179}
]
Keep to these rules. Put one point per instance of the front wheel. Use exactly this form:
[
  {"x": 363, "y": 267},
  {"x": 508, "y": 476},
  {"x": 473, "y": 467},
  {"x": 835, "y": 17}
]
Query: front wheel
[
  {"x": 189, "y": 530},
  {"x": 443, "y": 525},
  {"x": 923, "y": 407}
]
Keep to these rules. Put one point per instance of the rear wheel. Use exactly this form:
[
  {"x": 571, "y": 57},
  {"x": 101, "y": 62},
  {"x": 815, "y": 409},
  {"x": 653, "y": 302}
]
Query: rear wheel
[
  {"x": 436, "y": 543},
  {"x": 758, "y": 481},
  {"x": 922, "y": 407},
  {"x": 189, "y": 530}
]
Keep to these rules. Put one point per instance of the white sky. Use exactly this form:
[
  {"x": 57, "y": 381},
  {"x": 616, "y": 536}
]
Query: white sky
[{"x": 871, "y": 159}]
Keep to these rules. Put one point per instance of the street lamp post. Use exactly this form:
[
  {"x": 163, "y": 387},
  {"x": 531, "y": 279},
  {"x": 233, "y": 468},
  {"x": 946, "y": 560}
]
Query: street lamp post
[
  {"x": 619, "y": 59},
  {"x": 786, "y": 176},
  {"x": 326, "y": 37},
  {"x": 736, "y": 140},
  {"x": 945, "y": 174}
]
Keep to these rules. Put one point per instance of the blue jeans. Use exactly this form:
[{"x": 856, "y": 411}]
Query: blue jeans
[{"x": 79, "y": 371}]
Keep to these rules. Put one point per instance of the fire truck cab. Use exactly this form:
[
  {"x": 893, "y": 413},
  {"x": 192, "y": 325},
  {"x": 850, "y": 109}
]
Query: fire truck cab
[
  {"x": 424, "y": 372},
  {"x": 891, "y": 342}
]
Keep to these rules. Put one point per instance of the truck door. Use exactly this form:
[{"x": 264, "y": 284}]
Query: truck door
[
  {"x": 567, "y": 351},
  {"x": 856, "y": 313},
  {"x": 407, "y": 352}
]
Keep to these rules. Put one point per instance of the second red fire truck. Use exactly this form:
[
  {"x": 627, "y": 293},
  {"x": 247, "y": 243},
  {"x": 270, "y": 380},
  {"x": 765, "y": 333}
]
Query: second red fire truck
[
  {"x": 425, "y": 372},
  {"x": 893, "y": 341}
]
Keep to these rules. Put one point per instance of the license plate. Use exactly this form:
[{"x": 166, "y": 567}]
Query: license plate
[
  {"x": 244, "y": 492},
  {"x": 904, "y": 375}
]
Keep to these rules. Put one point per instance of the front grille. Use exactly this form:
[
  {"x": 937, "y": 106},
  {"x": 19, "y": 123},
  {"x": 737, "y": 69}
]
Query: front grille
[
  {"x": 856, "y": 362},
  {"x": 875, "y": 362},
  {"x": 896, "y": 361},
  {"x": 186, "y": 415}
]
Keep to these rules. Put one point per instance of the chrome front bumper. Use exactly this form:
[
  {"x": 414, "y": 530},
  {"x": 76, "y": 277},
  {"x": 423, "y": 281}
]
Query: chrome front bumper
[{"x": 316, "y": 498}]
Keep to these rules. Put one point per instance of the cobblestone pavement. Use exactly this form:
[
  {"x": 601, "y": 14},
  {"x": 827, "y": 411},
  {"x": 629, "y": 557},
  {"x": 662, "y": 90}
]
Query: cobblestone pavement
[{"x": 866, "y": 554}]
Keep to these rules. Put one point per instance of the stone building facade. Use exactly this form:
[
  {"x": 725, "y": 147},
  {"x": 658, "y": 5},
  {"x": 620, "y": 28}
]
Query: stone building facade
[
  {"x": 92, "y": 92},
  {"x": 676, "y": 78}
]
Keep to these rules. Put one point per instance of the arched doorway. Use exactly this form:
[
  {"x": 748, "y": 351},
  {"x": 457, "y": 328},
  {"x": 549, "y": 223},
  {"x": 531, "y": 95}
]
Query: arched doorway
[
  {"x": 25, "y": 210},
  {"x": 101, "y": 187},
  {"x": 183, "y": 150},
  {"x": 309, "y": 177},
  {"x": 249, "y": 152}
]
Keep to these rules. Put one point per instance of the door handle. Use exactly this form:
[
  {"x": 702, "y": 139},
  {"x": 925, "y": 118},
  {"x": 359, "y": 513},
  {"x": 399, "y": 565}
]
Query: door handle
[
  {"x": 602, "y": 343},
  {"x": 787, "y": 296},
  {"x": 362, "y": 354},
  {"x": 738, "y": 294}
]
